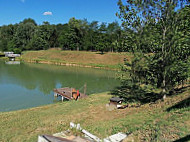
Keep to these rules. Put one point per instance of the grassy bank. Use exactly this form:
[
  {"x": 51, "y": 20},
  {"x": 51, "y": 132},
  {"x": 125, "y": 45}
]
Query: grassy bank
[
  {"x": 1, "y": 54},
  {"x": 162, "y": 121},
  {"x": 76, "y": 58}
]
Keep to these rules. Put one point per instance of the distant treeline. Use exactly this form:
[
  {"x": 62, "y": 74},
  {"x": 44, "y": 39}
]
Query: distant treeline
[
  {"x": 90, "y": 36},
  {"x": 74, "y": 35}
]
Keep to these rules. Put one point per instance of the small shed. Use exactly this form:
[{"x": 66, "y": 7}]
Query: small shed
[
  {"x": 6, "y": 53},
  {"x": 12, "y": 56},
  {"x": 116, "y": 101}
]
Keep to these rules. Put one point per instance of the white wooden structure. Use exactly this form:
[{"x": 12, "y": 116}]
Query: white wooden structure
[{"x": 12, "y": 56}]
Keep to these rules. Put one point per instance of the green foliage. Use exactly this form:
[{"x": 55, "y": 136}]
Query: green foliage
[
  {"x": 160, "y": 30},
  {"x": 37, "y": 43},
  {"x": 3, "y": 45},
  {"x": 74, "y": 35},
  {"x": 29, "y": 20},
  {"x": 17, "y": 50},
  {"x": 154, "y": 122}
]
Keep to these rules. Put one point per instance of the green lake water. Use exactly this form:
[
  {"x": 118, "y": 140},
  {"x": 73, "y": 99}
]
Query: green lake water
[{"x": 30, "y": 85}]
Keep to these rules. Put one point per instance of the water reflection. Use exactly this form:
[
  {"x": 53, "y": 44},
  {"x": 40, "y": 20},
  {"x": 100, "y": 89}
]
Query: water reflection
[
  {"x": 12, "y": 62},
  {"x": 35, "y": 80}
]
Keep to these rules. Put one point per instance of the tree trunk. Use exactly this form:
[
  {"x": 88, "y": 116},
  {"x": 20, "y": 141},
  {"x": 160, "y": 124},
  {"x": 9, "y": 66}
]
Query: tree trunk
[
  {"x": 164, "y": 97},
  {"x": 163, "y": 64},
  {"x": 164, "y": 93},
  {"x": 77, "y": 46}
]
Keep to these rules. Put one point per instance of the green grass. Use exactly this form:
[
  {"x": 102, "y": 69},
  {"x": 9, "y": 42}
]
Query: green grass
[
  {"x": 76, "y": 58},
  {"x": 150, "y": 122},
  {"x": 3, "y": 58}
]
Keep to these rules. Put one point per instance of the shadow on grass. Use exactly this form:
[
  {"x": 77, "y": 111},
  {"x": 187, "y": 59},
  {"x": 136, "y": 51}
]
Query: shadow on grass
[
  {"x": 101, "y": 53},
  {"x": 184, "y": 139},
  {"x": 137, "y": 95},
  {"x": 132, "y": 92},
  {"x": 150, "y": 97},
  {"x": 179, "y": 90},
  {"x": 183, "y": 104}
]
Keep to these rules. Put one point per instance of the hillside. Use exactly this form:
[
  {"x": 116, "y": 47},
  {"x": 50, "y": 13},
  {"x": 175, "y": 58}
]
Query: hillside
[
  {"x": 160, "y": 121},
  {"x": 76, "y": 58}
]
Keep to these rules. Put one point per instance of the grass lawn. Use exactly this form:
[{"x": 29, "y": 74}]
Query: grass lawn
[
  {"x": 82, "y": 58},
  {"x": 161, "y": 121}
]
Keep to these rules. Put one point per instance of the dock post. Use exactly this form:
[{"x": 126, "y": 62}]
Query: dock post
[
  {"x": 85, "y": 89},
  {"x": 62, "y": 98},
  {"x": 71, "y": 92},
  {"x": 55, "y": 95}
]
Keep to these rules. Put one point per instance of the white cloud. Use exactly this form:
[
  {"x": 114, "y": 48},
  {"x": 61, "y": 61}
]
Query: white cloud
[{"x": 47, "y": 13}]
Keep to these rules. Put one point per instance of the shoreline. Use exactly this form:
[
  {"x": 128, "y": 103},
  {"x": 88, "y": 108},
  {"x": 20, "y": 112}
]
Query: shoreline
[
  {"x": 108, "y": 61},
  {"x": 87, "y": 59},
  {"x": 69, "y": 64}
]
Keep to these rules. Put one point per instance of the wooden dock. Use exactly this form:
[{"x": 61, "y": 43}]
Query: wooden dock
[{"x": 69, "y": 93}]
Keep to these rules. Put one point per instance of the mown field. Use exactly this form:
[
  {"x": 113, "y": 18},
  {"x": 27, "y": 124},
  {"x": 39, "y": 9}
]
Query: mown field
[
  {"x": 77, "y": 58},
  {"x": 160, "y": 121}
]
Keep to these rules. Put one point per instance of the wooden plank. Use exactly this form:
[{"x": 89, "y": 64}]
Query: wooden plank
[{"x": 66, "y": 95}]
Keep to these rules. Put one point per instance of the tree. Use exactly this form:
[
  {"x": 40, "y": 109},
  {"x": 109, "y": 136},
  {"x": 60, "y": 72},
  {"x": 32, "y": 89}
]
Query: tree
[
  {"x": 103, "y": 39},
  {"x": 38, "y": 43},
  {"x": 91, "y": 38},
  {"x": 29, "y": 20},
  {"x": 49, "y": 34},
  {"x": 155, "y": 24},
  {"x": 53, "y": 38},
  {"x": 103, "y": 43},
  {"x": 6, "y": 36},
  {"x": 23, "y": 35},
  {"x": 113, "y": 31},
  {"x": 78, "y": 27},
  {"x": 3, "y": 45}
]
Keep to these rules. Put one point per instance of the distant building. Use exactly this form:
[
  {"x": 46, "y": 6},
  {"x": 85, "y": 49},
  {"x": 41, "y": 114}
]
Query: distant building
[
  {"x": 11, "y": 55},
  {"x": 7, "y": 53}
]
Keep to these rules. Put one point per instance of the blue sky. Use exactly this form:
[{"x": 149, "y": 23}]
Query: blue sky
[{"x": 14, "y": 11}]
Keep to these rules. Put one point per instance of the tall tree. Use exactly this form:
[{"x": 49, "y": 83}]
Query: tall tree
[
  {"x": 78, "y": 27},
  {"x": 92, "y": 36},
  {"x": 29, "y": 20},
  {"x": 113, "y": 31},
  {"x": 23, "y": 35},
  {"x": 48, "y": 33},
  {"x": 163, "y": 20}
]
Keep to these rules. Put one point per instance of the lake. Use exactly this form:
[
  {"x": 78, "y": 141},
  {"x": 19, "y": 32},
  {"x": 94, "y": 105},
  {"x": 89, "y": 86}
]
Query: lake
[{"x": 30, "y": 85}]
